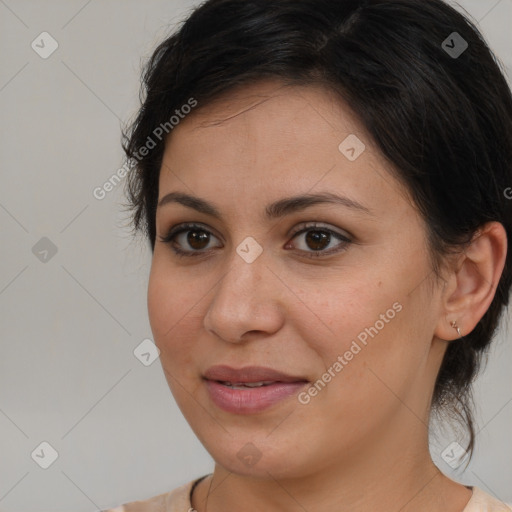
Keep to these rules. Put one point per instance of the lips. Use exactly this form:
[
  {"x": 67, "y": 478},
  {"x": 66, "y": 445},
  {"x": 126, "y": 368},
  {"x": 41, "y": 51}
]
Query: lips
[
  {"x": 249, "y": 375},
  {"x": 251, "y": 389}
]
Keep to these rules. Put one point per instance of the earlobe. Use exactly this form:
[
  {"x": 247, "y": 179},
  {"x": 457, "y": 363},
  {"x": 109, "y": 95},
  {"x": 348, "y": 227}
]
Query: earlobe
[
  {"x": 473, "y": 282},
  {"x": 457, "y": 328},
  {"x": 450, "y": 331}
]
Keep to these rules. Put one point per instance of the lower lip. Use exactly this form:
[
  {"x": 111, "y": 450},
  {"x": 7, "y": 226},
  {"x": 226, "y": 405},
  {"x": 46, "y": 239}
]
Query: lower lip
[{"x": 250, "y": 400}]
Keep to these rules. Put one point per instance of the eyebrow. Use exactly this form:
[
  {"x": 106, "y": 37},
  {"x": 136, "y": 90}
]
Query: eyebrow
[{"x": 274, "y": 210}]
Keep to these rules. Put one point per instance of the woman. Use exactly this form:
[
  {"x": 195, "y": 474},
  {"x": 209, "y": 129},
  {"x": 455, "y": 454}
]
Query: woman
[{"x": 323, "y": 186}]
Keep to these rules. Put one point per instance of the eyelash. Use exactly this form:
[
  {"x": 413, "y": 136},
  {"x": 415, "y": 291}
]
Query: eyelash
[{"x": 183, "y": 228}]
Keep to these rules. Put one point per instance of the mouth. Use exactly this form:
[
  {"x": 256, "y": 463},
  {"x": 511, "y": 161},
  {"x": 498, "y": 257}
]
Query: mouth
[
  {"x": 249, "y": 375},
  {"x": 245, "y": 385},
  {"x": 251, "y": 389}
]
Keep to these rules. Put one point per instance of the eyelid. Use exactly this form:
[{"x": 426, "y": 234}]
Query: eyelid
[
  {"x": 179, "y": 228},
  {"x": 187, "y": 226},
  {"x": 321, "y": 226},
  {"x": 343, "y": 238}
]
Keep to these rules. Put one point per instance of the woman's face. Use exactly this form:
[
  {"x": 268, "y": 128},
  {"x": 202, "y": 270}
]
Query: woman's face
[{"x": 337, "y": 292}]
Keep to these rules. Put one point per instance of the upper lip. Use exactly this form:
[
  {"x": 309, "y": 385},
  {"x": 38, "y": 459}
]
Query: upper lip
[{"x": 223, "y": 373}]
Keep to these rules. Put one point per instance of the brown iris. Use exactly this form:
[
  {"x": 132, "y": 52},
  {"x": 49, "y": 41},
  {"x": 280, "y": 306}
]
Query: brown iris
[
  {"x": 198, "y": 239},
  {"x": 317, "y": 240}
]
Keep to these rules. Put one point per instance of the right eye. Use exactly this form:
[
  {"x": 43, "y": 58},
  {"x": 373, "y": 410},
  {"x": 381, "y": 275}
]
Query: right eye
[{"x": 189, "y": 239}]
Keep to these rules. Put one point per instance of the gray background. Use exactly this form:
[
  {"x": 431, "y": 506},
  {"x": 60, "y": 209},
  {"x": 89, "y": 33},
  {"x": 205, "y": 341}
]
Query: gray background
[{"x": 68, "y": 375}]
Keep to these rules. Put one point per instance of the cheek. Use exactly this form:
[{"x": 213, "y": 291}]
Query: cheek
[
  {"x": 170, "y": 299},
  {"x": 168, "y": 320},
  {"x": 372, "y": 337},
  {"x": 346, "y": 310},
  {"x": 160, "y": 305},
  {"x": 174, "y": 307},
  {"x": 383, "y": 359}
]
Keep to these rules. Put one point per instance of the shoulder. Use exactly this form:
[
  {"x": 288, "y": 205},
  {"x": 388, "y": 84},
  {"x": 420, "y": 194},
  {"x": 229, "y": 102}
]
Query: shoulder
[
  {"x": 483, "y": 502},
  {"x": 177, "y": 500}
]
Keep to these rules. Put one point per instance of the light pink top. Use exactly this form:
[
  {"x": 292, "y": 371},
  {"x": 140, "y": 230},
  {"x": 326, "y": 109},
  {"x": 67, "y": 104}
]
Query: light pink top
[{"x": 179, "y": 501}]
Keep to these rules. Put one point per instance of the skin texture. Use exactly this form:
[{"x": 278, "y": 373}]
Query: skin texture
[{"x": 362, "y": 442}]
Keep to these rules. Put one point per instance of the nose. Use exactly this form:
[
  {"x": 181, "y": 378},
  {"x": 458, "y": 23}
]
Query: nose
[{"x": 247, "y": 301}]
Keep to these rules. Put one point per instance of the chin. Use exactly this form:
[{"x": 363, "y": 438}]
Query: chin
[{"x": 246, "y": 456}]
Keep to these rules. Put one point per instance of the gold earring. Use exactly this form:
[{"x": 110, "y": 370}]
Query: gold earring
[{"x": 456, "y": 327}]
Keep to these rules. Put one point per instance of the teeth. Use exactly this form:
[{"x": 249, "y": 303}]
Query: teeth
[{"x": 243, "y": 385}]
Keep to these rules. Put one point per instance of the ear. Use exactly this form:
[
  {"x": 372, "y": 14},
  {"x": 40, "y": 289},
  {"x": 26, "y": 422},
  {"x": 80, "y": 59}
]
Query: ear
[{"x": 470, "y": 286}]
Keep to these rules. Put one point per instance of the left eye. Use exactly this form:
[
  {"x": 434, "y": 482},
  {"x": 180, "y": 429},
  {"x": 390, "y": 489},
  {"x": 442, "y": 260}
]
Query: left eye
[{"x": 319, "y": 240}]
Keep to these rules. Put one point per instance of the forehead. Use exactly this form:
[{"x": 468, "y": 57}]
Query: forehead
[
  {"x": 269, "y": 136},
  {"x": 273, "y": 103},
  {"x": 263, "y": 120}
]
